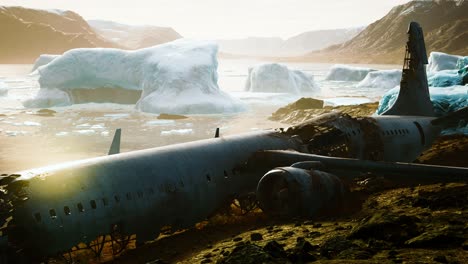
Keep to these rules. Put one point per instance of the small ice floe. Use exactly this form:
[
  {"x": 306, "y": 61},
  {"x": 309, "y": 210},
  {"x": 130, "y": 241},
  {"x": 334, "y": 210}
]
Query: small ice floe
[
  {"x": 254, "y": 128},
  {"x": 15, "y": 133},
  {"x": 98, "y": 126},
  {"x": 186, "y": 131},
  {"x": 85, "y": 132},
  {"x": 105, "y": 133},
  {"x": 117, "y": 116},
  {"x": 61, "y": 134},
  {"x": 31, "y": 123},
  {"x": 160, "y": 122},
  {"x": 188, "y": 124},
  {"x": 85, "y": 125}
]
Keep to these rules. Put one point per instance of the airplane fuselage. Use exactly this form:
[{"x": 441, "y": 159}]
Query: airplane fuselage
[{"x": 142, "y": 191}]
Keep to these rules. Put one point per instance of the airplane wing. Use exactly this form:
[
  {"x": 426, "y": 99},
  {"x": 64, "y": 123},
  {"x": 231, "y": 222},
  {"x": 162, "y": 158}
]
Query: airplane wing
[
  {"x": 305, "y": 183},
  {"x": 348, "y": 165}
]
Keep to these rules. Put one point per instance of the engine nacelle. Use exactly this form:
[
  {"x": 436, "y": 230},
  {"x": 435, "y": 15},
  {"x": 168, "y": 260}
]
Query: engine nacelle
[{"x": 299, "y": 192}]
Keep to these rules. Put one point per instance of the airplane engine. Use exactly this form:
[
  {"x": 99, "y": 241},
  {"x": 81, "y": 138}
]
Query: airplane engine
[{"x": 299, "y": 192}]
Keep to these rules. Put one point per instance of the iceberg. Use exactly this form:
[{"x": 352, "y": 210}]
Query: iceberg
[
  {"x": 451, "y": 70},
  {"x": 384, "y": 79},
  {"x": 43, "y": 59},
  {"x": 178, "y": 77},
  {"x": 347, "y": 73},
  {"x": 278, "y": 78},
  {"x": 46, "y": 98},
  {"x": 439, "y": 61},
  {"x": 444, "y": 99},
  {"x": 444, "y": 78}
]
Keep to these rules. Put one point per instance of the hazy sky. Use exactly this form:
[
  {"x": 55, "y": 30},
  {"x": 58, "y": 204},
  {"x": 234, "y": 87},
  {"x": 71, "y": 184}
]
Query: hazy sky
[{"x": 227, "y": 18}]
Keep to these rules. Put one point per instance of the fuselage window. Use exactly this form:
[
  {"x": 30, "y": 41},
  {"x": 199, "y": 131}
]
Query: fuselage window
[
  {"x": 117, "y": 198},
  {"x": 140, "y": 194},
  {"x": 208, "y": 178},
  {"x": 129, "y": 196},
  {"x": 66, "y": 210},
  {"x": 354, "y": 133},
  {"x": 38, "y": 217},
  {"x": 225, "y": 175},
  {"x": 104, "y": 201},
  {"x": 52, "y": 213},
  {"x": 80, "y": 207},
  {"x": 93, "y": 204}
]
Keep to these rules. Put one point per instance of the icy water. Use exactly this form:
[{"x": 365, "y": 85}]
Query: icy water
[{"x": 28, "y": 140}]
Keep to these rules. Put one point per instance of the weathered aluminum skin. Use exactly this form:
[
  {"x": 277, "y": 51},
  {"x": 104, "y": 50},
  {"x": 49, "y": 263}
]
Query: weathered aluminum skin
[{"x": 176, "y": 185}]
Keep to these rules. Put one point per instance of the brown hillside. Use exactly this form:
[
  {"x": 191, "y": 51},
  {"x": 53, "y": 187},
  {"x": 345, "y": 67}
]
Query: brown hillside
[
  {"x": 28, "y": 33},
  {"x": 444, "y": 24}
]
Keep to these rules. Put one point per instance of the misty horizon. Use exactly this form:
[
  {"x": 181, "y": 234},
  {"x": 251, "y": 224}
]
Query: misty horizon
[{"x": 210, "y": 19}]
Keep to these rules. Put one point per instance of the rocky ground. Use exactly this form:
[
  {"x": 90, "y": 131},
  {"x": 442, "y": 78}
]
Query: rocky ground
[
  {"x": 383, "y": 222},
  {"x": 307, "y": 108}
]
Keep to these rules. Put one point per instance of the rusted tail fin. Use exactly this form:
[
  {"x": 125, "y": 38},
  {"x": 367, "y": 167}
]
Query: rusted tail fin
[{"x": 413, "y": 98}]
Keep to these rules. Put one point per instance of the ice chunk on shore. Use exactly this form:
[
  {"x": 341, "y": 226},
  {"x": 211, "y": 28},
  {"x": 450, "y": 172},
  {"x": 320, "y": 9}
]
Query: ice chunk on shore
[
  {"x": 43, "y": 59},
  {"x": 347, "y": 73},
  {"x": 439, "y": 61},
  {"x": 31, "y": 123},
  {"x": 444, "y": 99},
  {"x": 185, "y": 131},
  {"x": 384, "y": 79},
  {"x": 178, "y": 77},
  {"x": 278, "y": 78}
]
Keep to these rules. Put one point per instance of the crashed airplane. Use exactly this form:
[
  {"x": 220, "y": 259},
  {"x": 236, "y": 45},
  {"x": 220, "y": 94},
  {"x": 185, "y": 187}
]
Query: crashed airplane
[{"x": 297, "y": 171}]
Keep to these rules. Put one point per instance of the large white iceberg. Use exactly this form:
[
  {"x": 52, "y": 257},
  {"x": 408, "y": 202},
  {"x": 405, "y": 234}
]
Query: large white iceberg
[
  {"x": 439, "y": 61},
  {"x": 444, "y": 99},
  {"x": 278, "y": 78},
  {"x": 44, "y": 59},
  {"x": 178, "y": 77},
  {"x": 384, "y": 79},
  {"x": 347, "y": 73}
]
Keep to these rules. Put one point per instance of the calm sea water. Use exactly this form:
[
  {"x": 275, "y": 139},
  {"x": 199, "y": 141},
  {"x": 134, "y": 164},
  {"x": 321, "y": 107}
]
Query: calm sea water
[{"x": 85, "y": 130}]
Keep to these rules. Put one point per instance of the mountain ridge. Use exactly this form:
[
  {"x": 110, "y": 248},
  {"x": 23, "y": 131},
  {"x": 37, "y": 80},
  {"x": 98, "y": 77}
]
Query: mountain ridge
[
  {"x": 133, "y": 36},
  {"x": 294, "y": 46},
  {"x": 52, "y": 32},
  {"x": 444, "y": 25}
]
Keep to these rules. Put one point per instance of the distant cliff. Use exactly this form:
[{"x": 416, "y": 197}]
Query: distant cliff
[
  {"x": 444, "y": 23},
  {"x": 134, "y": 37},
  {"x": 294, "y": 46},
  {"x": 27, "y": 33}
]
